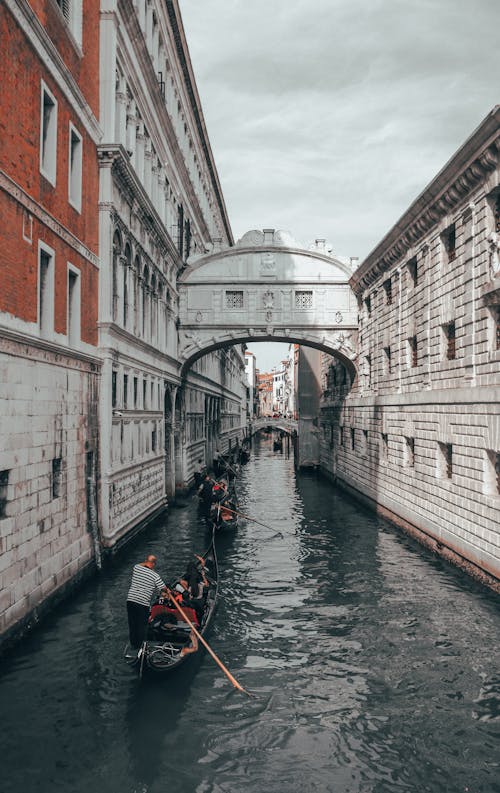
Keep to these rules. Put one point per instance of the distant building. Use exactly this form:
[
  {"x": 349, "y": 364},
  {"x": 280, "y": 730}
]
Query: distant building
[
  {"x": 265, "y": 393},
  {"x": 251, "y": 379}
]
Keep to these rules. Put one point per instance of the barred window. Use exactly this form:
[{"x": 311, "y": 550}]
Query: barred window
[
  {"x": 234, "y": 299},
  {"x": 450, "y": 242},
  {"x": 388, "y": 291},
  {"x": 410, "y": 452},
  {"x": 388, "y": 360},
  {"x": 450, "y": 341},
  {"x": 384, "y": 447},
  {"x": 446, "y": 462},
  {"x": 413, "y": 271},
  {"x": 303, "y": 299},
  {"x": 413, "y": 351},
  {"x": 4, "y": 482}
]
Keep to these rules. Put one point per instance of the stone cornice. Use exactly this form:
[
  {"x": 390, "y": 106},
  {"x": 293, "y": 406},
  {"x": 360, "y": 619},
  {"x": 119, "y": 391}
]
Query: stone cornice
[
  {"x": 140, "y": 344},
  {"x": 461, "y": 175},
  {"x": 24, "y": 345},
  {"x": 53, "y": 62},
  {"x": 34, "y": 208},
  {"x": 187, "y": 70},
  {"x": 116, "y": 156}
]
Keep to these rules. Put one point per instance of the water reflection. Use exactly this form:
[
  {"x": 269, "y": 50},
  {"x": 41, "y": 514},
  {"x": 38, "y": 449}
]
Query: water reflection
[{"x": 374, "y": 664}]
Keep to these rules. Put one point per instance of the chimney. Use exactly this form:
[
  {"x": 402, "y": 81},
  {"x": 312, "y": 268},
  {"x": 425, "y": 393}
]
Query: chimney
[
  {"x": 320, "y": 244},
  {"x": 268, "y": 236}
]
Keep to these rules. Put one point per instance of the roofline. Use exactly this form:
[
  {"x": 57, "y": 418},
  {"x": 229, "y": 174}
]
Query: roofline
[
  {"x": 417, "y": 214},
  {"x": 175, "y": 18}
]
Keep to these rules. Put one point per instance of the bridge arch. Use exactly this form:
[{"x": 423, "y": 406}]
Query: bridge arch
[{"x": 266, "y": 288}]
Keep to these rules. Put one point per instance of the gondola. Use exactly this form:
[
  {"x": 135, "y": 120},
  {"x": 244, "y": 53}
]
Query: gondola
[{"x": 168, "y": 633}]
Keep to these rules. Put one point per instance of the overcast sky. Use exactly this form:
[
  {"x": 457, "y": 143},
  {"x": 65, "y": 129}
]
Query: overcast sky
[{"x": 328, "y": 117}]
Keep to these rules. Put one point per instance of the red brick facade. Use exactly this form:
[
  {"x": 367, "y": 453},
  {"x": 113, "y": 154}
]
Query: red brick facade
[{"x": 42, "y": 212}]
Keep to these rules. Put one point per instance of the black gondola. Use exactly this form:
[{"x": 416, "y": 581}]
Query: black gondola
[{"x": 168, "y": 633}]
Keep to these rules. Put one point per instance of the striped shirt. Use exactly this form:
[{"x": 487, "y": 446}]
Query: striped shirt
[{"x": 144, "y": 584}]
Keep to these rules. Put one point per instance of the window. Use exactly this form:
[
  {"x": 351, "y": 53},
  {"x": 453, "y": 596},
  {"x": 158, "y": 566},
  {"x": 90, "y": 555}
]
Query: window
[
  {"x": 388, "y": 291},
  {"x": 153, "y": 438},
  {"x": 388, "y": 363},
  {"x": 410, "y": 452},
  {"x": 75, "y": 168},
  {"x": 4, "y": 483},
  {"x": 303, "y": 299},
  {"x": 72, "y": 13},
  {"x": 446, "y": 460},
  {"x": 449, "y": 332},
  {"x": 492, "y": 473},
  {"x": 412, "y": 351},
  {"x": 341, "y": 435},
  {"x": 413, "y": 271},
  {"x": 234, "y": 299},
  {"x": 449, "y": 242},
  {"x": 144, "y": 393},
  {"x": 73, "y": 306},
  {"x": 46, "y": 291},
  {"x": 353, "y": 438},
  {"x": 384, "y": 447},
  {"x": 113, "y": 389},
  {"x": 56, "y": 477},
  {"x": 125, "y": 390},
  {"x": 368, "y": 306},
  {"x": 48, "y": 135},
  {"x": 135, "y": 391}
]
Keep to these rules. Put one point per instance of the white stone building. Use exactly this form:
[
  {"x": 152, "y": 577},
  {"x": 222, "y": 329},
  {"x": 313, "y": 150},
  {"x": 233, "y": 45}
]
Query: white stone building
[
  {"x": 160, "y": 202},
  {"x": 418, "y": 435}
]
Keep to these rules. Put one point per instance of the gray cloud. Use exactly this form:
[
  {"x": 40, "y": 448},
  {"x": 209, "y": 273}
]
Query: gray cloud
[{"x": 327, "y": 117}]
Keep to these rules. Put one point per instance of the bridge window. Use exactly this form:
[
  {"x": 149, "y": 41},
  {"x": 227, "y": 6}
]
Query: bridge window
[
  {"x": 303, "y": 299},
  {"x": 234, "y": 299}
]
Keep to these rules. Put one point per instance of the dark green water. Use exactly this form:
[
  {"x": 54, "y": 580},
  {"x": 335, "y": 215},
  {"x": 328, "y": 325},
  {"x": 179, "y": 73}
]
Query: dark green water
[{"x": 375, "y": 666}]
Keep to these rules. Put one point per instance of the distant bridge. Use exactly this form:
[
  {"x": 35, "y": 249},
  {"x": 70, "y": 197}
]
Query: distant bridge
[{"x": 290, "y": 426}]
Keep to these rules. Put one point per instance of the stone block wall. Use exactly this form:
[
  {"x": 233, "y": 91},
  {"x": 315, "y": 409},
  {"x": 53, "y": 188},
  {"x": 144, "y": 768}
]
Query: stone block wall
[{"x": 48, "y": 428}]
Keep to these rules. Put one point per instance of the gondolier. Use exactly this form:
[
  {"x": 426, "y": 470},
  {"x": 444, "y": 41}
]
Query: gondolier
[{"x": 144, "y": 585}]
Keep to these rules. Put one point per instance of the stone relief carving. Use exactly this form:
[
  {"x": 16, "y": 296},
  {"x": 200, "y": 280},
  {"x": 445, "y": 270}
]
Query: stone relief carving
[
  {"x": 267, "y": 264},
  {"x": 338, "y": 317},
  {"x": 268, "y": 299},
  {"x": 494, "y": 253}
]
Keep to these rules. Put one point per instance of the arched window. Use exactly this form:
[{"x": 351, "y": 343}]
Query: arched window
[
  {"x": 145, "y": 302},
  {"x": 127, "y": 261},
  {"x": 117, "y": 249}
]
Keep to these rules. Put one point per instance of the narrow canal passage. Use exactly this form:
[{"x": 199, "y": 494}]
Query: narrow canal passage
[{"x": 375, "y": 665}]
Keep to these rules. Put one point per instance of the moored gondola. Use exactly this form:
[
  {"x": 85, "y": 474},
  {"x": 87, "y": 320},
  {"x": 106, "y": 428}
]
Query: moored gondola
[{"x": 169, "y": 637}]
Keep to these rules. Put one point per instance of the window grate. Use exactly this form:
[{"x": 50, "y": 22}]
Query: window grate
[
  {"x": 56, "y": 477},
  {"x": 303, "y": 299},
  {"x": 450, "y": 339},
  {"x": 234, "y": 299},
  {"x": 413, "y": 351},
  {"x": 388, "y": 291}
]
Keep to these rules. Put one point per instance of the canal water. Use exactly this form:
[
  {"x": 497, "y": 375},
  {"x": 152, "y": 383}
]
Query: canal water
[{"x": 374, "y": 665}]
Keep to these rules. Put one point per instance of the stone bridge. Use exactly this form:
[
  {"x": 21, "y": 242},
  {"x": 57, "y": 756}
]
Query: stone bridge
[
  {"x": 290, "y": 426},
  {"x": 265, "y": 288}
]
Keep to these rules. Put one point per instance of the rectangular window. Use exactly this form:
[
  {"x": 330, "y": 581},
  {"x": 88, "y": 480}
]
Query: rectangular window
[
  {"x": 450, "y": 242},
  {"x": 410, "y": 452},
  {"x": 446, "y": 461},
  {"x": 4, "y": 483},
  {"x": 449, "y": 331},
  {"x": 135, "y": 392},
  {"x": 388, "y": 363},
  {"x": 125, "y": 390},
  {"x": 75, "y": 168},
  {"x": 303, "y": 299},
  {"x": 353, "y": 438},
  {"x": 413, "y": 271},
  {"x": 341, "y": 438},
  {"x": 384, "y": 447},
  {"x": 153, "y": 439},
  {"x": 73, "y": 319},
  {"x": 234, "y": 299},
  {"x": 56, "y": 477},
  {"x": 368, "y": 306},
  {"x": 412, "y": 351},
  {"x": 46, "y": 291},
  {"x": 388, "y": 291},
  {"x": 48, "y": 135},
  {"x": 144, "y": 393},
  {"x": 113, "y": 389}
]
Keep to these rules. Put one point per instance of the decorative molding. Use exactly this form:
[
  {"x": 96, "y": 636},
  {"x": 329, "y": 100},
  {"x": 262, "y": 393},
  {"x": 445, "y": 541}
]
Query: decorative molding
[
  {"x": 22, "y": 345},
  {"x": 30, "y": 205}
]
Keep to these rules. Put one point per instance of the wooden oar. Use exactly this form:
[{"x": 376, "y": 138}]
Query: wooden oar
[
  {"x": 207, "y": 646},
  {"x": 247, "y": 517}
]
